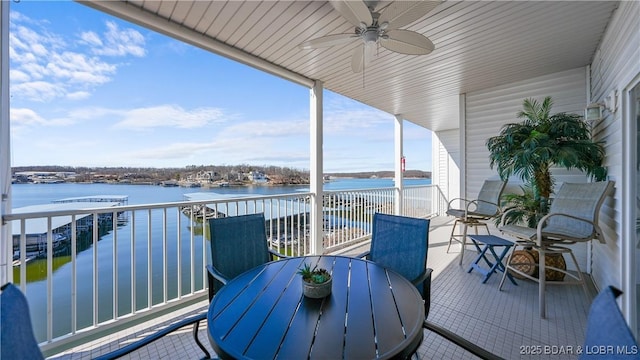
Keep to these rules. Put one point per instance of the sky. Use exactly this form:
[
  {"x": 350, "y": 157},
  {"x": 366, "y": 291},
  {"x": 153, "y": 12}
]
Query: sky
[{"x": 89, "y": 89}]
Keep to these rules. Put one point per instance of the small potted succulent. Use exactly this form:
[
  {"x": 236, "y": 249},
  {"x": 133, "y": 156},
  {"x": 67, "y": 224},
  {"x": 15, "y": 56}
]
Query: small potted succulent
[{"x": 316, "y": 282}]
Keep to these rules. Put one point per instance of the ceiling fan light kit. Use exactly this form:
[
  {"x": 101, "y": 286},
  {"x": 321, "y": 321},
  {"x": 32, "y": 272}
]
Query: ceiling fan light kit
[{"x": 378, "y": 27}]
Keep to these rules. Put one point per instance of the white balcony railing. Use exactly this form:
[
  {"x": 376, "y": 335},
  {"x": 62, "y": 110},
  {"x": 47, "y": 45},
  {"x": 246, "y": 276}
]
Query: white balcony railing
[{"x": 108, "y": 266}]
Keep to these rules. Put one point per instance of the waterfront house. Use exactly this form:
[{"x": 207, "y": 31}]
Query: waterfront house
[
  {"x": 257, "y": 177},
  {"x": 488, "y": 57}
]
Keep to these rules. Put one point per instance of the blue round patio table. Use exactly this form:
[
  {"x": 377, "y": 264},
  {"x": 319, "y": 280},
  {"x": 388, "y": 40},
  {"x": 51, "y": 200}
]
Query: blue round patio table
[{"x": 371, "y": 313}]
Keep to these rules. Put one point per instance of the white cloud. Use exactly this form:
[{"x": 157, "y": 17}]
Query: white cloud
[
  {"x": 78, "y": 95},
  {"x": 91, "y": 38},
  {"x": 75, "y": 67},
  {"x": 18, "y": 76},
  {"x": 118, "y": 42},
  {"x": 169, "y": 116},
  {"x": 344, "y": 116},
  {"x": 37, "y": 91},
  {"x": 88, "y": 113},
  {"x": 252, "y": 129},
  {"x": 258, "y": 151},
  {"x": 171, "y": 151},
  {"x": 22, "y": 116},
  {"x": 42, "y": 60}
]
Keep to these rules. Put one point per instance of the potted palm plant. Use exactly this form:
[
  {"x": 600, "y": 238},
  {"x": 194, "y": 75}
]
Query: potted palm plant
[
  {"x": 530, "y": 149},
  {"x": 316, "y": 282}
]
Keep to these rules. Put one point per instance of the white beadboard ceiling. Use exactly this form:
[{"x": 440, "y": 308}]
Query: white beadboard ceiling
[{"x": 478, "y": 44}]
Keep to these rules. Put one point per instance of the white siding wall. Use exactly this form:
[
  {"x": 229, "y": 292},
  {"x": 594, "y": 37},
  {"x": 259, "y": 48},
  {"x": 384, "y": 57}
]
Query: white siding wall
[
  {"x": 446, "y": 162},
  {"x": 488, "y": 110},
  {"x": 615, "y": 65}
]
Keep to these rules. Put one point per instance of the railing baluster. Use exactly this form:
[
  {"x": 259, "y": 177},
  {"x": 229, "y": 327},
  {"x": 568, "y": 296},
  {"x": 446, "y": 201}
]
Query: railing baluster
[
  {"x": 192, "y": 246},
  {"x": 179, "y": 248},
  {"x": 23, "y": 255},
  {"x": 149, "y": 262},
  {"x": 49, "y": 280},
  {"x": 164, "y": 256},
  {"x": 94, "y": 239},
  {"x": 134, "y": 308},
  {"x": 114, "y": 271},
  {"x": 74, "y": 275}
]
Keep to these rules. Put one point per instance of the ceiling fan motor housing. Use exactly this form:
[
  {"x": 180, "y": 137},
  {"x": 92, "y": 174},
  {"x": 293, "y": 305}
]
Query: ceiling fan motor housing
[{"x": 371, "y": 34}]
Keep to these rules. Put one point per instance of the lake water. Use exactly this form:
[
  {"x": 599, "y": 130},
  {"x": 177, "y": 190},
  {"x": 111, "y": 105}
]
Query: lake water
[{"x": 35, "y": 194}]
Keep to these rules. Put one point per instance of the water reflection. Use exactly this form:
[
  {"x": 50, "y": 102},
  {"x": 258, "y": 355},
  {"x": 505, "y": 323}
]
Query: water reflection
[{"x": 146, "y": 248}]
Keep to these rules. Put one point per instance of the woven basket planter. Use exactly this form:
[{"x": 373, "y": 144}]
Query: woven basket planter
[{"x": 527, "y": 260}]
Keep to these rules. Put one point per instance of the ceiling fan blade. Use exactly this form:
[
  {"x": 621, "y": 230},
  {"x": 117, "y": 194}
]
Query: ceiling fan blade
[
  {"x": 329, "y": 40},
  {"x": 401, "y": 13},
  {"x": 362, "y": 57},
  {"x": 355, "y": 12},
  {"x": 357, "y": 59},
  {"x": 407, "y": 42}
]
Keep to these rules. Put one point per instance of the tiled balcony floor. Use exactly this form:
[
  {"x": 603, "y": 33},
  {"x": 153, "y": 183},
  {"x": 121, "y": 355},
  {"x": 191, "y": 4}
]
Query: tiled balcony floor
[{"x": 503, "y": 322}]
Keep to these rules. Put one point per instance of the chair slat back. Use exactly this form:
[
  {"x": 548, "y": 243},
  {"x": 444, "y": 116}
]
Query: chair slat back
[
  {"x": 16, "y": 336},
  {"x": 238, "y": 243},
  {"x": 400, "y": 243},
  {"x": 582, "y": 200},
  {"x": 489, "y": 194},
  {"x": 606, "y": 326}
]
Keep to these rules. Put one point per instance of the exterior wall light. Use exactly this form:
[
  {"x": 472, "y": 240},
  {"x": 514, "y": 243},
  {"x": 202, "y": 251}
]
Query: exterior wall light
[{"x": 593, "y": 112}]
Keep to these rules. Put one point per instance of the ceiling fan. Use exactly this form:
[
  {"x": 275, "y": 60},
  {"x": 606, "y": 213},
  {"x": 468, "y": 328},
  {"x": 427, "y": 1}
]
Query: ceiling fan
[{"x": 377, "y": 24}]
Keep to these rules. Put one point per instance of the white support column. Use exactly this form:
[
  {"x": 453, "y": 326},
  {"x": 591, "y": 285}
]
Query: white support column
[
  {"x": 590, "y": 243},
  {"x": 316, "y": 171},
  {"x": 6, "y": 242},
  {"x": 399, "y": 183},
  {"x": 462, "y": 109}
]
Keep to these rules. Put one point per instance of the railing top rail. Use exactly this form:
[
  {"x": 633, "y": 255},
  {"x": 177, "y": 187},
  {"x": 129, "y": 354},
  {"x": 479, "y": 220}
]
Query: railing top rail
[
  {"x": 418, "y": 186},
  {"x": 98, "y": 209},
  {"x": 374, "y": 189},
  {"x": 111, "y": 209}
]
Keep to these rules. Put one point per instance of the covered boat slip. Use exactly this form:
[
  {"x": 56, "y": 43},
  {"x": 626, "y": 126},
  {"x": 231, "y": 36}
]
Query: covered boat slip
[
  {"x": 288, "y": 216},
  {"x": 57, "y": 220},
  {"x": 285, "y": 217},
  {"x": 233, "y": 205}
]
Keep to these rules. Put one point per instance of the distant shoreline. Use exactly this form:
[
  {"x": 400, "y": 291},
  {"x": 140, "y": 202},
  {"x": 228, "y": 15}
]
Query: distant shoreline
[{"x": 192, "y": 176}]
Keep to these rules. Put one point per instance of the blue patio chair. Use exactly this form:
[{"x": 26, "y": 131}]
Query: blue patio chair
[
  {"x": 400, "y": 243},
  {"x": 608, "y": 335},
  {"x": 475, "y": 212},
  {"x": 238, "y": 243},
  {"x": 460, "y": 341},
  {"x": 18, "y": 340}
]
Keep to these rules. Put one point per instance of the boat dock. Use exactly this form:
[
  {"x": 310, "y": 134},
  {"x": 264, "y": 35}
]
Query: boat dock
[
  {"x": 36, "y": 230},
  {"x": 120, "y": 199}
]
